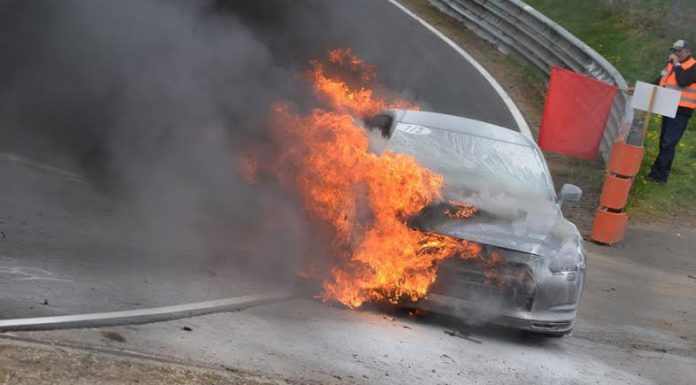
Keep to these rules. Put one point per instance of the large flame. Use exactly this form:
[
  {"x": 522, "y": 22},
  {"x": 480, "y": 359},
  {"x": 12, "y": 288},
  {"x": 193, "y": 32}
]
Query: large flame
[
  {"x": 364, "y": 198},
  {"x": 341, "y": 97}
]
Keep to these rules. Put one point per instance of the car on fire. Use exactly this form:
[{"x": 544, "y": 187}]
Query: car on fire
[{"x": 504, "y": 175}]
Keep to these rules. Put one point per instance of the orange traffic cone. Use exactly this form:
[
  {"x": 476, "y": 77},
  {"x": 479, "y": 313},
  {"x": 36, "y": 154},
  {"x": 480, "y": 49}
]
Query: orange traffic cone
[
  {"x": 615, "y": 191},
  {"x": 610, "y": 219},
  {"x": 625, "y": 159},
  {"x": 609, "y": 227}
]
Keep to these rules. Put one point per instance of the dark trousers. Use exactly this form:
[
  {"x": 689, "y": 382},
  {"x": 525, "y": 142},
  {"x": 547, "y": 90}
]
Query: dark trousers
[{"x": 672, "y": 131}]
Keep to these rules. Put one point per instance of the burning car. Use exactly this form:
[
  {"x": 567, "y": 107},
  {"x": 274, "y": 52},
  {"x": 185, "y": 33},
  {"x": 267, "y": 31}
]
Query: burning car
[
  {"x": 422, "y": 208},
  {"x": 499, "y": 179}
]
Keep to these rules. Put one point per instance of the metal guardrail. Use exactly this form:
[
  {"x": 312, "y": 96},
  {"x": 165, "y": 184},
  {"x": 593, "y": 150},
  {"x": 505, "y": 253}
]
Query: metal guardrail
[{"x": 519, "y": 29}]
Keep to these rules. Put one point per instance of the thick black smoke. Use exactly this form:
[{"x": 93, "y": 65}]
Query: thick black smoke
[
  {"x": 155, "y": 101},
  {"x": 113, "y": 83}
]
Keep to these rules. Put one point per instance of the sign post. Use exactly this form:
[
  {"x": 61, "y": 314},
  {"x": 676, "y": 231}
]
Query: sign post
[
  {"x": 653, "y": 99},
  {"x": 611, "y": 220}
]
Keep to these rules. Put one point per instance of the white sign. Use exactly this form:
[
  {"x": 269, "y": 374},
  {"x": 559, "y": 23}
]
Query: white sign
[
  {"x": 413, "y": 129},
  {"x": 665, "y": 103}
]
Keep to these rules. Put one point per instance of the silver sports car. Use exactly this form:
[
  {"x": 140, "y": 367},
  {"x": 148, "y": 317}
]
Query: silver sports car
[{"x": 504, "y": 175}]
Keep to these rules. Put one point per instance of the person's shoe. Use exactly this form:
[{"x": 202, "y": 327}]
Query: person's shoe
[{"x": 655, "y": 179}]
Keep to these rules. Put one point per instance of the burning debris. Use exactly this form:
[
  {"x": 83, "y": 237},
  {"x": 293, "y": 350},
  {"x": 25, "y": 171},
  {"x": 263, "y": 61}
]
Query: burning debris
[
  {"x": 460, "y": 211},
  {"x": 362, "y": 200}
]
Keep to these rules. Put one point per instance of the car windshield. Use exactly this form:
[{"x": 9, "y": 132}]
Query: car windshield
[{"x": 474, "y": 164}]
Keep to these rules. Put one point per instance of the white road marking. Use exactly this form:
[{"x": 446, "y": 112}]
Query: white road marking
[
  {"x": 29, "y": 274},
  {"x": 75, "y": 177},
  {"x": 8, "y": 267},
  {"x": 509, "y": 103},
  {"x": 144, "y": 315}
]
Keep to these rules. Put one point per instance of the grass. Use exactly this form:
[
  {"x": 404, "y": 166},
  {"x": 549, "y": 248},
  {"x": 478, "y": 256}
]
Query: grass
[
  {"x": 677, "y": 198},
  {"x": 634, "y": 35}
]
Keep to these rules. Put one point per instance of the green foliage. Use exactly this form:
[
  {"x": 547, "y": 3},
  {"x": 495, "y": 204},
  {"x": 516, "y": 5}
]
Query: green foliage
[
  {"x": 635, "y": 36},
  {"x": 678, "y": 196}
]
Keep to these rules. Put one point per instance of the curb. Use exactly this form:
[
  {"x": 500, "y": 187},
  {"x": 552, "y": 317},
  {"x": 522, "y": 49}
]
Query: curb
[{"x": 142, "y": 316}]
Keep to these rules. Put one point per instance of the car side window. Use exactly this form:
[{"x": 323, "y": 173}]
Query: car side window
[{"x": 382, "y": 123}]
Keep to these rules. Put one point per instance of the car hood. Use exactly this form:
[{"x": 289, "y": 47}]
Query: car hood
[{"x": 539, "y": 230}]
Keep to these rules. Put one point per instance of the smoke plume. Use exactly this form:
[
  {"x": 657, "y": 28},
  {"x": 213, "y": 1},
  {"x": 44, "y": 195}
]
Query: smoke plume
[{"x": 155, "y": 101}]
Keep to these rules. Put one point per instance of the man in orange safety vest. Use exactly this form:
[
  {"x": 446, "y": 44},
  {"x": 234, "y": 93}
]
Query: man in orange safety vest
[{"x": 680, "y": 75}]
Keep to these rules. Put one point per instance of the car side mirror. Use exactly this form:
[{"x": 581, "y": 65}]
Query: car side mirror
[{"x": 569, "y": 193}]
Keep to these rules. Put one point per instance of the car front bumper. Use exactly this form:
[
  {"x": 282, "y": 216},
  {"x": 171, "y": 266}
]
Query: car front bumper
[{"x": 526, "y": 298}]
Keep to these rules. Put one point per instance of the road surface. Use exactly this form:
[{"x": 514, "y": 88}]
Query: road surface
[{"x": 67, "y": 248}]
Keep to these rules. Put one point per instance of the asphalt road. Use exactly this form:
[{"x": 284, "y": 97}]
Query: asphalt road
[
  {"x": 635, "y": 326},
  {"x": 66, "y": 248},
  {"x": 410, "y": 59}
]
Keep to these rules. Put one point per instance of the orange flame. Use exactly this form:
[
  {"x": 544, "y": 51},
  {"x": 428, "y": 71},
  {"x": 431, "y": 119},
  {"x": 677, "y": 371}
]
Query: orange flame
[
  {"x": 460, "y": 210},
  {"x": 364, "y": 198},
  {"x": 340, "y": 96}
]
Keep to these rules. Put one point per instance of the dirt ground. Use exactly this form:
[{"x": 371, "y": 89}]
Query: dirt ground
[{"x": 23, "y": 363}]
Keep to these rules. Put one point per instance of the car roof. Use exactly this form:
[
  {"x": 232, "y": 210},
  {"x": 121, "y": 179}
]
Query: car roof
[
  {"x": 466, "y": 126},
  {"x": 462, "y": 125}
]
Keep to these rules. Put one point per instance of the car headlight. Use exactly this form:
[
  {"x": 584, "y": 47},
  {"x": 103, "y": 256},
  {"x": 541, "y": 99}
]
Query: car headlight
[{"x": 569, "y": 258}]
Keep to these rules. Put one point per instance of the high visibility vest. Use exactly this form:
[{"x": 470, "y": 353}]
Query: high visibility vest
[{"x": 688, "y": 94}]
